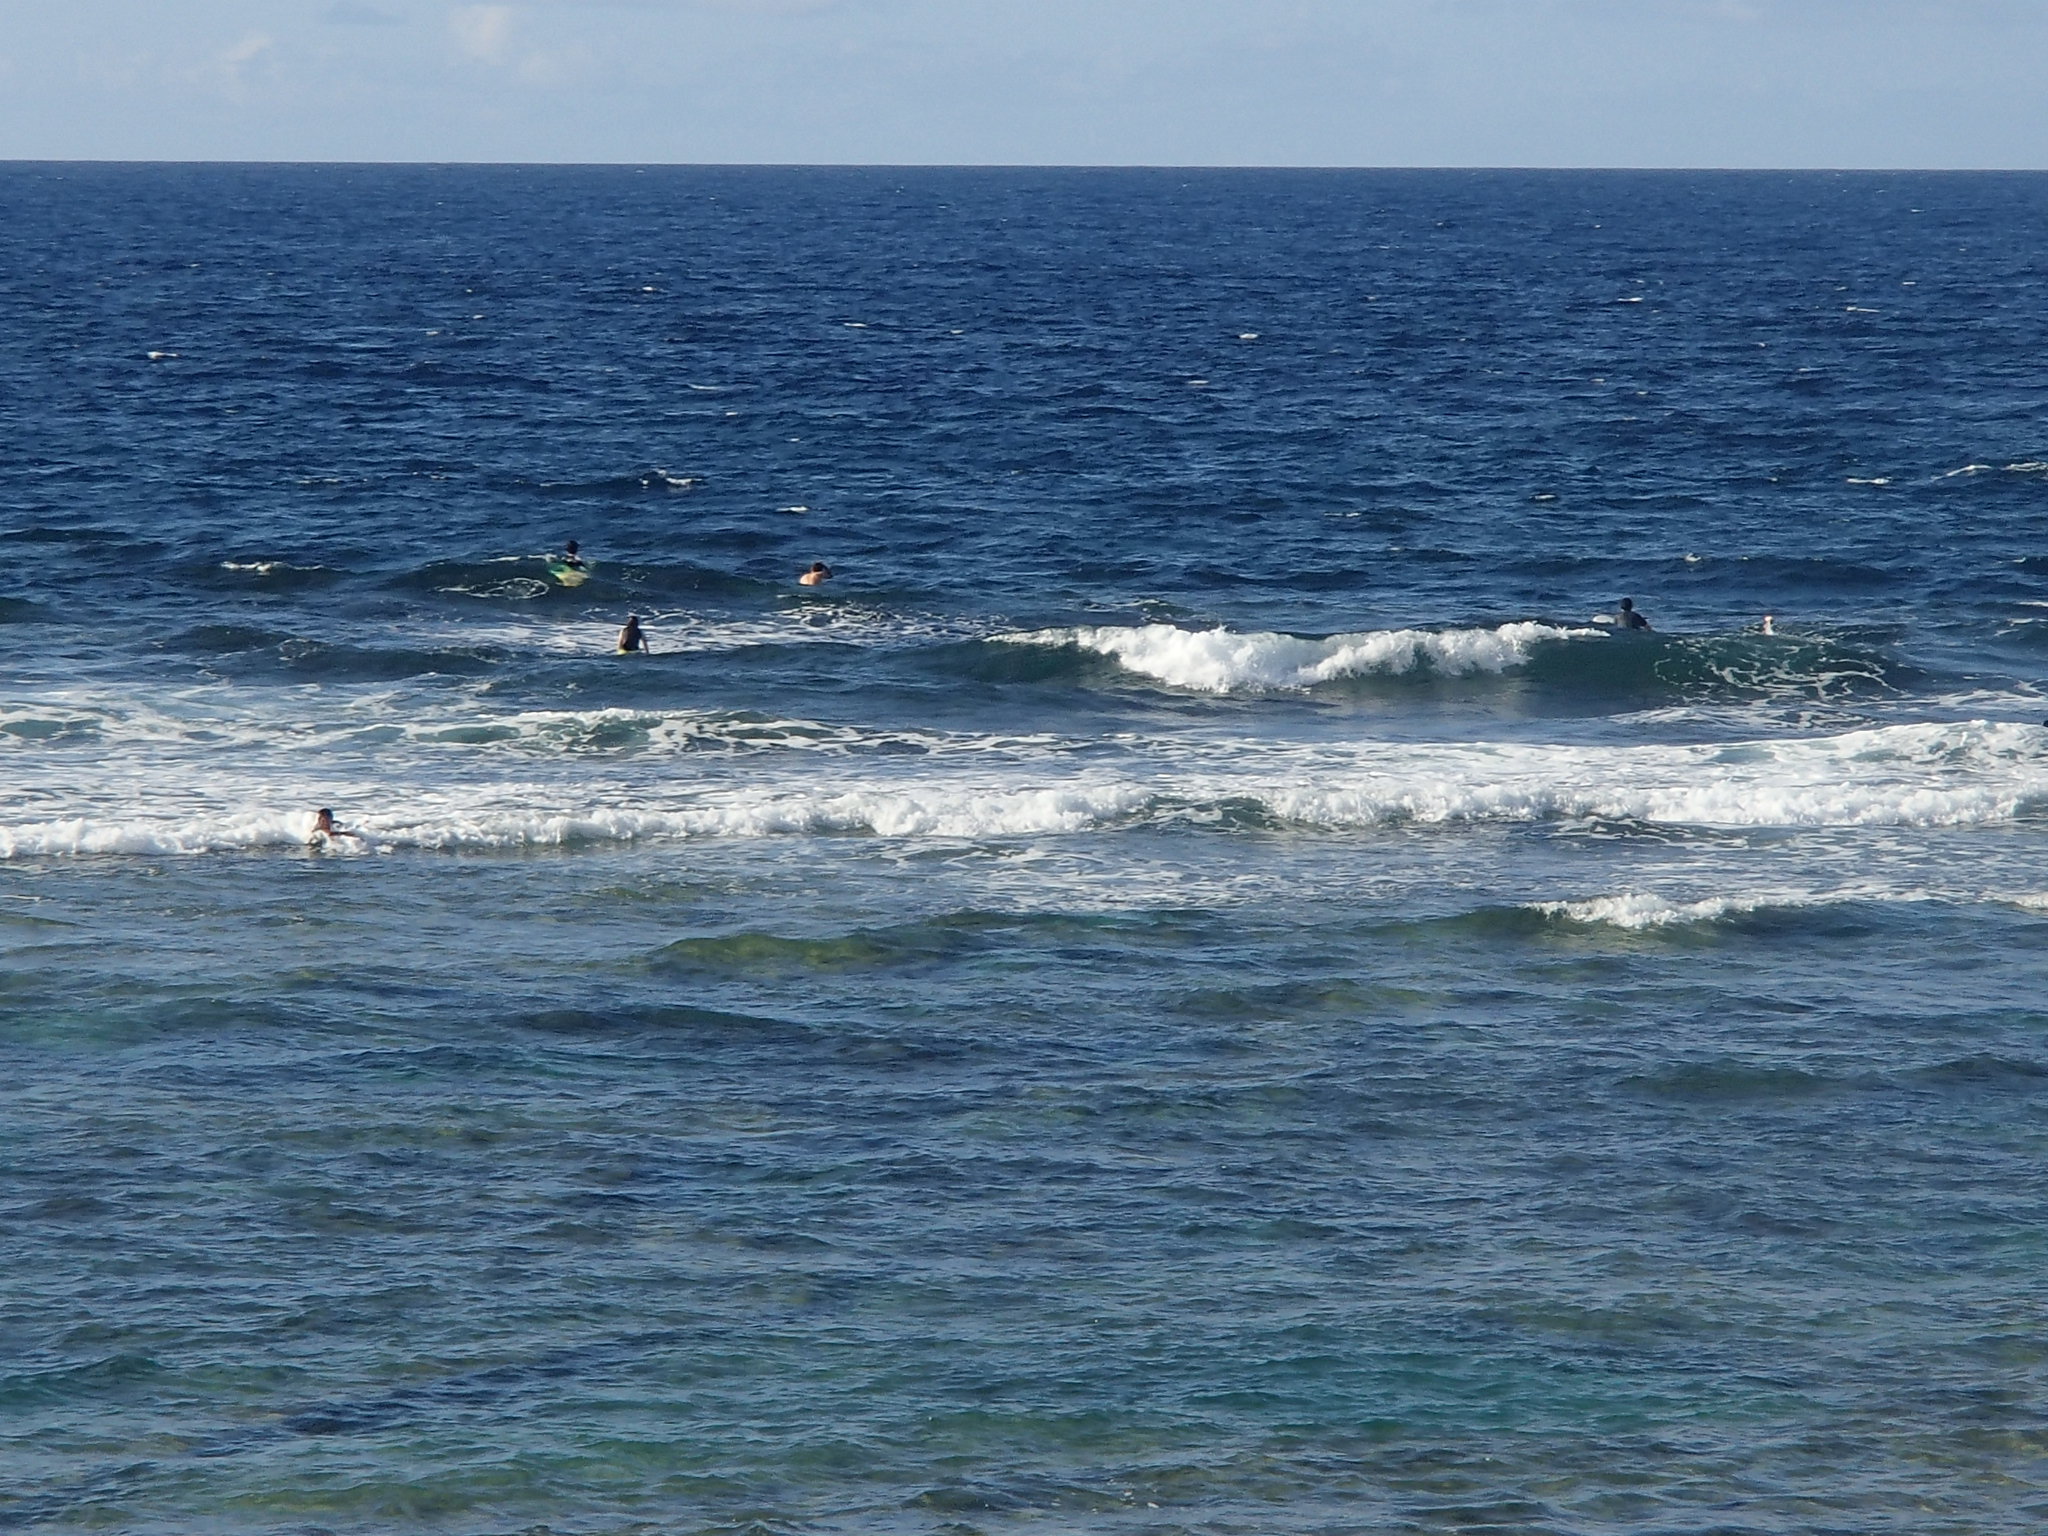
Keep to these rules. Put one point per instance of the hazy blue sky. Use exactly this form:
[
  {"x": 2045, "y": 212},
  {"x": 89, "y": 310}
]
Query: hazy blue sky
[{"x": 1888, "y": 83}]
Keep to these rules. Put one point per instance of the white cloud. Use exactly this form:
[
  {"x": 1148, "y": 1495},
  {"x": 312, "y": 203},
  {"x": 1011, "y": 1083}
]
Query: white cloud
[
  {"x": 237, "y": 63},
  {"x": 483, "y": 32},
  {"x": 248, "y": 50}
]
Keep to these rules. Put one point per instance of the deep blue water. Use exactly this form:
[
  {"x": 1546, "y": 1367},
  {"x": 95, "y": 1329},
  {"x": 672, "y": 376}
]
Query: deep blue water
[{"x": 1190, "y": 988}]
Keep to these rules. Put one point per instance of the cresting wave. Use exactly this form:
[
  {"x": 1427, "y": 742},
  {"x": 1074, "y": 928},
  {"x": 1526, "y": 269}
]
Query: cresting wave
[
  {"x": 1223, "y": 660},
  {"x": 1636, "y": 911},
  {"x": 1897, "y": 776}
]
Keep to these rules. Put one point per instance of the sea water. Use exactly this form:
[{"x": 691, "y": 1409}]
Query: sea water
[{"x": 1191, "y": 987}]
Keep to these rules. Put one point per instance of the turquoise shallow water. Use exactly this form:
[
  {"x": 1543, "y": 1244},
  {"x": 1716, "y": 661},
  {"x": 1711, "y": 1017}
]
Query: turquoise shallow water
[
  {"x": 1191, "y": 989},
  {"x": 850, "y": 1226}
]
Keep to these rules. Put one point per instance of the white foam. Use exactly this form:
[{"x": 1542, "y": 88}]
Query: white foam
[
  {"x": 1224, "y": 660},
  {"x": 175, "y": 778},
  {"x": 504, "y": 823},
  {"x": 265, "y": 567},
  {"x": 1639, "y": 910},
  {"x": 203, "y": 834},
  {"x": 653, "y": 731},
  {"x": 220, "y": 725},
  {"x": 1917, "y": 775}
]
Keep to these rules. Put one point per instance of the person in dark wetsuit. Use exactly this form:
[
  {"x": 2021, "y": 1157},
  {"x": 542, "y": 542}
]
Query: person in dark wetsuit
[
  {"x": 631, "y": 638},
  {"x": 570, "y": 558},
  {"x": 1628, "y": 618}
]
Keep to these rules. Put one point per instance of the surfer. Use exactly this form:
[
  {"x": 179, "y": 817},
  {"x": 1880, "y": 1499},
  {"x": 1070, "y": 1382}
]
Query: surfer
[
  {"x": 816, "y": 576},
  {"x": 1628, "y": 618},
  {"x": 570, "y": 558},
  {"x": 631, "y": 638},
  {"x": 325, "y": 830}
]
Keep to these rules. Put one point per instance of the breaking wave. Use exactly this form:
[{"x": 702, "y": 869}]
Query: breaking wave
[
  {"x": 1553, "y": 658},
  {"x": 994, "y": 788},
  {"x": 1636, "y": 911},
  {"x": 1225, "y": 661}
]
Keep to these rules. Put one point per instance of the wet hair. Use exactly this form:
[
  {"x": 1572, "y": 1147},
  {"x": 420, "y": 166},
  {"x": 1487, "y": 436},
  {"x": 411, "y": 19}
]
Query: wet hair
[
  {"x": 818, "y": 565},
  {"x": 325, "y": 812},
  {"x": 569, "y": 548},
  {"x": 1627, "y": 603}
]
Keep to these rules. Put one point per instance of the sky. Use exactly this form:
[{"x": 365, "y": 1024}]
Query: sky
[{"x": 1891, "y": 84}]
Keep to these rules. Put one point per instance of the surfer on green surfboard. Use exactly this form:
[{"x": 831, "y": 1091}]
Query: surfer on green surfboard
[{"x": 569, "y": 568}]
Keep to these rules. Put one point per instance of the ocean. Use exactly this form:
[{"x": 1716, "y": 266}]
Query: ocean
[{"x": 1194, "y": 986}]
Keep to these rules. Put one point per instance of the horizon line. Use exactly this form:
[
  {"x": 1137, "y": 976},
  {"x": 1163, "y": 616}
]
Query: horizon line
[{"x": 1037, "y": 165}]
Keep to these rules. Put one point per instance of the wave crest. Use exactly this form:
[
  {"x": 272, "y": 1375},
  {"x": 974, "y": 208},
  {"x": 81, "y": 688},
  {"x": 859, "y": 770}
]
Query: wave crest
[{"x": 1224, "y": 660}]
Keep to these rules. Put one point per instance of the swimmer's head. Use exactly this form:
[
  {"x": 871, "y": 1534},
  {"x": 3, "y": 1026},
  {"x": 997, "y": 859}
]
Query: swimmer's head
[
  {"x": 1627, "y": 603},
  {"x": 570, "y": 547}
]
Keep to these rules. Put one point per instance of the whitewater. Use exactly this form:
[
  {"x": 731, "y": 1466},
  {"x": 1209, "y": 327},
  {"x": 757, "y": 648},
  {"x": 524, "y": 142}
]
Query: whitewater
[
  {"x": 1221, "y": 660},
  {"x": 1920, "y": 776}
]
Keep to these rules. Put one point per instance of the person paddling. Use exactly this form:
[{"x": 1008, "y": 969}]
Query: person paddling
[
  {"x": 1628, "y": 618},
  {"x": 326, "y": 830},
  {"x": 631, "y": 638},
  {"x": 570, "y": 558}
]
